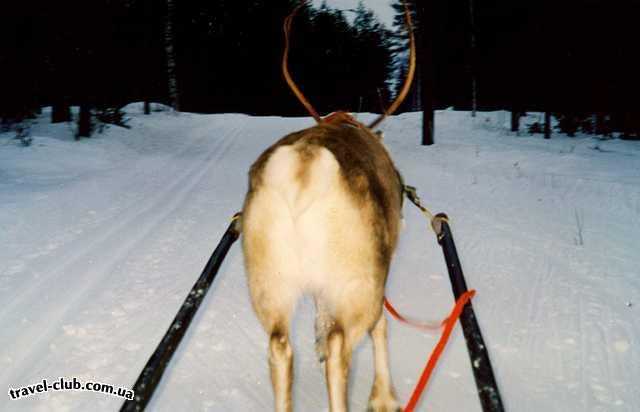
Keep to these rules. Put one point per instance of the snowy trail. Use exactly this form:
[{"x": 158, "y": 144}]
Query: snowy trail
[
  {"x": 60, "y": 303},
  {"x": 155, "y": 208},
  {"x": 102, "y": 239}
]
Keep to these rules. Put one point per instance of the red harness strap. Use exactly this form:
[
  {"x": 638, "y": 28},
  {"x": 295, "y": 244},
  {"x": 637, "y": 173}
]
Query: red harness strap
[
  {"x": 448, "y": 324},
  {"x": 426, "y": 326}
]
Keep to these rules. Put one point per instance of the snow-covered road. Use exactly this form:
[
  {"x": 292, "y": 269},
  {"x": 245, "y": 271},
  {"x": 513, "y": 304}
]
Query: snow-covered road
[{"x": 101, "y": 240}]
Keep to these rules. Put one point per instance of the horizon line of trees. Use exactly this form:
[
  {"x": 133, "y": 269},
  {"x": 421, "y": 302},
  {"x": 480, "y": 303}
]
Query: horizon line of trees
[
  {"x": 198, "y": 56},
  {"x": 574, "y": 60},
  {"x": 571, "y": 59}
]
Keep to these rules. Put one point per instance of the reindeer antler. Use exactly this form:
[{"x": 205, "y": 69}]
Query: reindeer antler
[
  {"x": 285, "y": 65},
  {"x": 396, "y": 103},
  {"x": 412, "y": 68}
]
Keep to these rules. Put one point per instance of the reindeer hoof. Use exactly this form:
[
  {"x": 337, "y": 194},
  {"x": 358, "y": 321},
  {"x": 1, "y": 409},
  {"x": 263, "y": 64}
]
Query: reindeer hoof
[
  {"x": 384, "y": 404},
  {"x": 397, "y": 409}
]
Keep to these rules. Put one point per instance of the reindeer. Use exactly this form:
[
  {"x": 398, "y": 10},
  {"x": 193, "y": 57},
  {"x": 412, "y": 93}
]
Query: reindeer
[{"x": 322, "y": 217}]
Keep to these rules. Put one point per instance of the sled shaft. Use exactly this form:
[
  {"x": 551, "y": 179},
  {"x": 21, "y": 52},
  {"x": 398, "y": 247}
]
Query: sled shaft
[{"x": 480, "y": 363}]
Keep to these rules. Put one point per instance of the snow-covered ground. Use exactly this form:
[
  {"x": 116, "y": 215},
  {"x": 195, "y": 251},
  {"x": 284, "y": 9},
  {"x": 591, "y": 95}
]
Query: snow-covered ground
[{"x": 101, "y": 239}]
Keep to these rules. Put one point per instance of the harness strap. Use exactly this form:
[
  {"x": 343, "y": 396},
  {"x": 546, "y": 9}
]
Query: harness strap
[
  {"x": 435, "y": 220},
  {"x": 425, "y": 326},
  {"x": 449, "y": 323}
]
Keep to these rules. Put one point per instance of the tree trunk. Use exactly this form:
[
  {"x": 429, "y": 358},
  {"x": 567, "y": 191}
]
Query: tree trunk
[
  {"x": 472, "y": 64},
  {"x": 547, "y": 125},
  {"x": 84, "y": 121},
  {"x": 417, "y": 94},
  {"x": 60, "y": 112},
  {"x": 601, "y": 128},
  {"x": 169, "y": 44},
  {"x": 515, "y": 120},
  {"x": 572, "y": 127},
  {"x": 424, "y": 46}
]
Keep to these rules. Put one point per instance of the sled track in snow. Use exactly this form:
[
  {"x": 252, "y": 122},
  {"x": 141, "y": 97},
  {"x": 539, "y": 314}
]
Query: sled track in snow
[
  {"x": 77, "y": 248},
  {"x": 87, "y": 274}
]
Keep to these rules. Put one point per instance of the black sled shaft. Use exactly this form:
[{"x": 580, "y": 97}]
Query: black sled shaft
[{"x": 480, "y": 363}]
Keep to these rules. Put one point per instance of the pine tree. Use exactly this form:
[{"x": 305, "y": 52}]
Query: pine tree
[
  {"x": 422, "y": 90},
  {"x": 426, "y": 63},
  {"x": 373, "y": 59},
  {"x": 169, "y": 41},
  {"x": 473, "y": 59},
  {"x": 400, "y": 47},
  {"x": 85, "y": 124},
  {"x": 60, "y": 111}
]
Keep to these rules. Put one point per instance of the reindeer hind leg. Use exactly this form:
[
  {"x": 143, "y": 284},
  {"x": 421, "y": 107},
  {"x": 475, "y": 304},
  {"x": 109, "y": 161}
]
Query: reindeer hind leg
[
  {"x": 383, "y": 397},
  {"x": 281, "y": 366},
  {"x": 337, "y": 369},
  {"x": 353, "y": 318},
  {"x": 276, "y": 322}
]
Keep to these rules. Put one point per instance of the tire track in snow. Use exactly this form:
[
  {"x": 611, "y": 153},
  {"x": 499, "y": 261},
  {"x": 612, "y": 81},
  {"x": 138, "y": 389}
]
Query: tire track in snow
[{"x": 57, "y": 309}]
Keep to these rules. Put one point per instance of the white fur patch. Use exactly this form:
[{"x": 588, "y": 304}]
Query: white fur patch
[{"x": 316, "y": 235}]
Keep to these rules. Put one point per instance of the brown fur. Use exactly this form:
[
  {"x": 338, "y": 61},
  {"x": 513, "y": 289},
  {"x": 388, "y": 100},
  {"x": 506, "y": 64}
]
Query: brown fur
[
  {"x": 364, "y": 162},
  {"x": 367, "y": 209}
]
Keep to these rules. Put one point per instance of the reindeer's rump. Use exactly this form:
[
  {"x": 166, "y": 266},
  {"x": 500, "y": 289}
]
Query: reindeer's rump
[{"x": 321, "y": 215}]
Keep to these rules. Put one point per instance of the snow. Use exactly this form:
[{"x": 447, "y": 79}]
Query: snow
[
  {"x": 102, "y": 239},
  {"x": 382, "y": 8}
]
